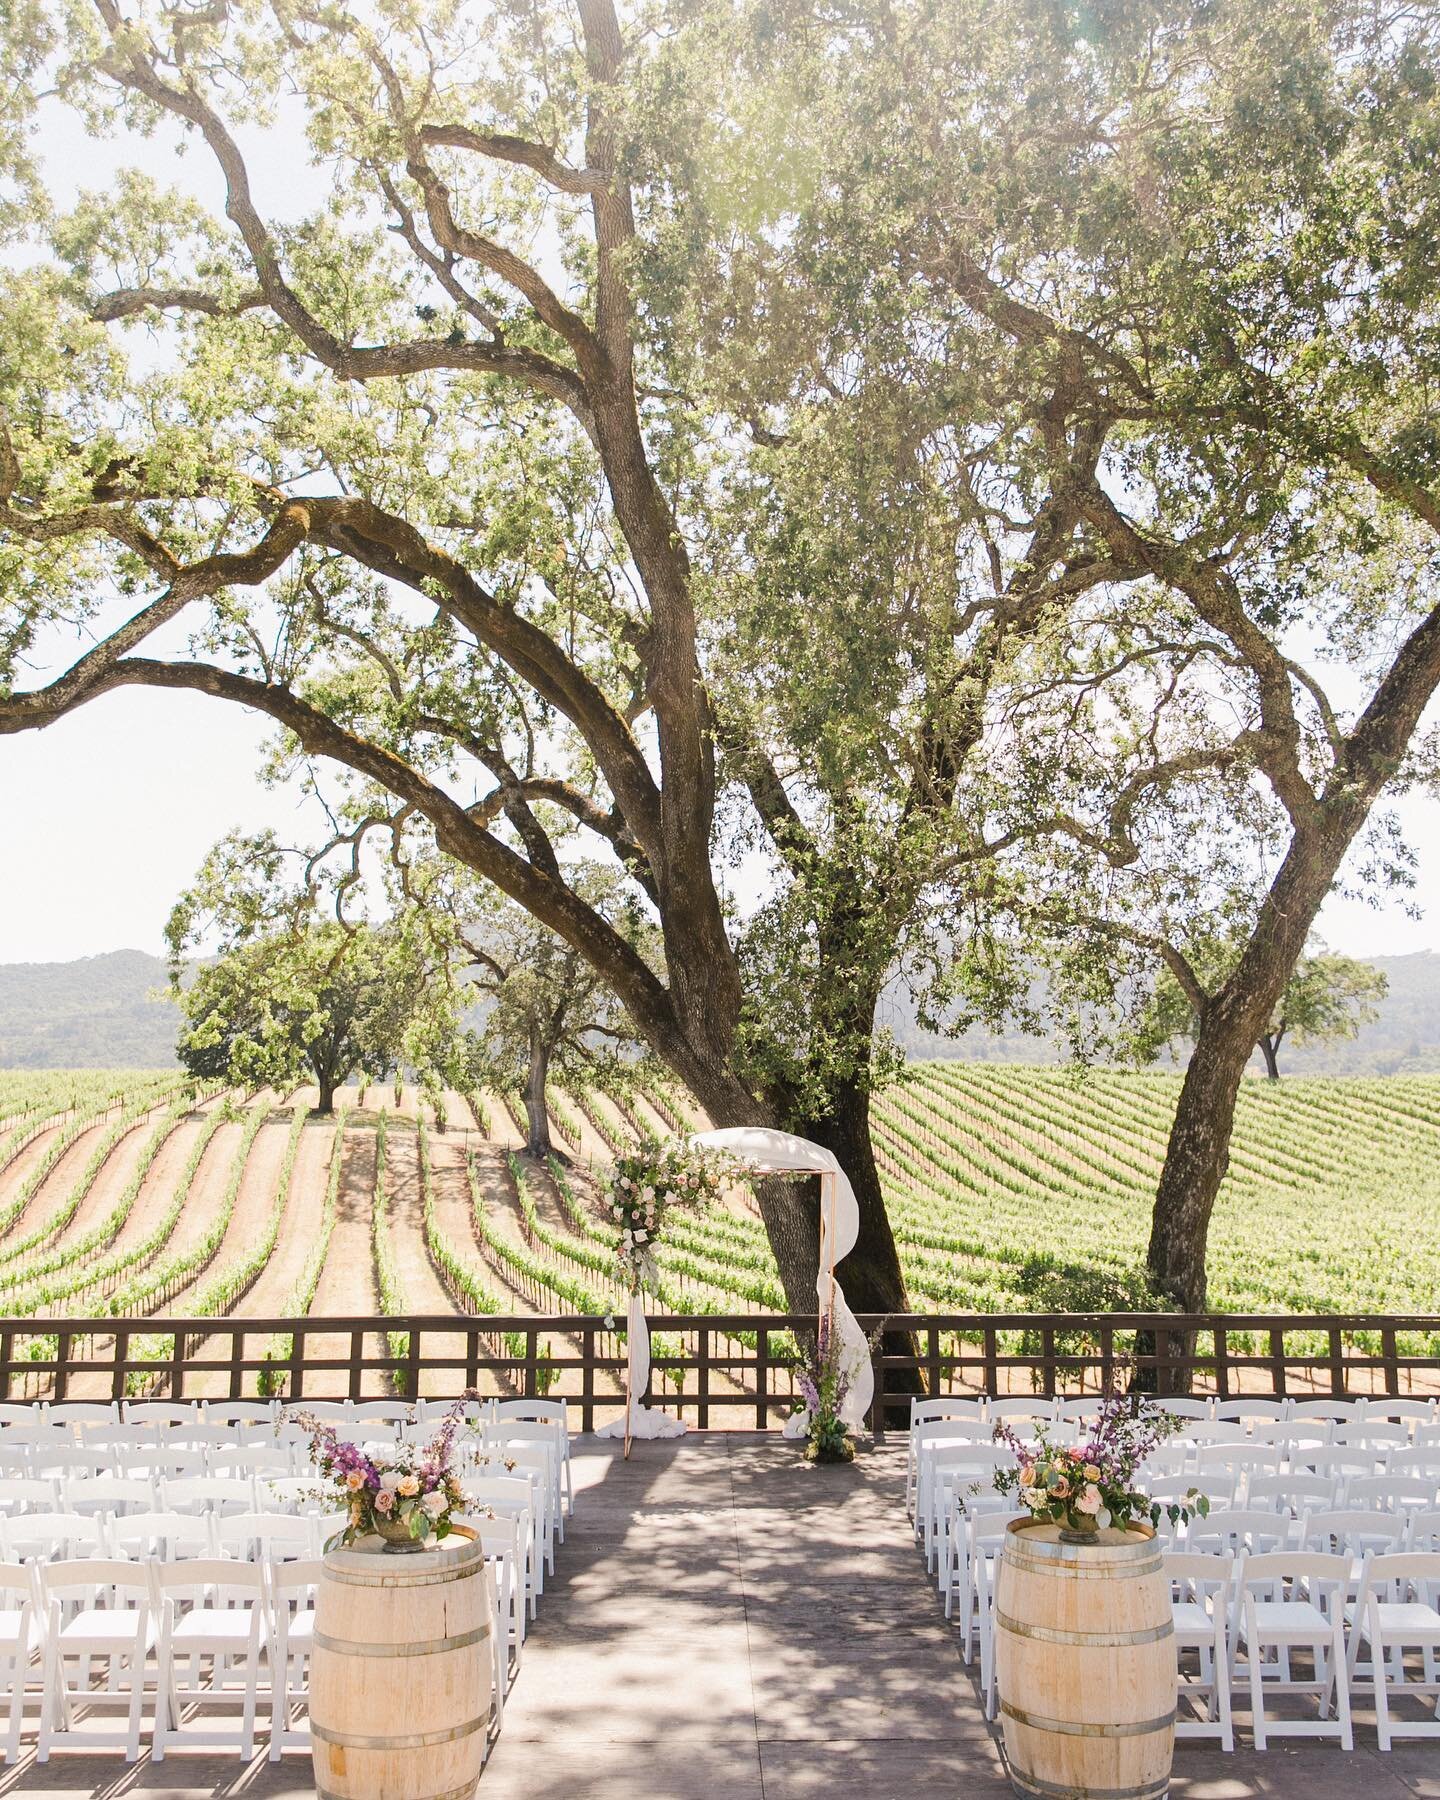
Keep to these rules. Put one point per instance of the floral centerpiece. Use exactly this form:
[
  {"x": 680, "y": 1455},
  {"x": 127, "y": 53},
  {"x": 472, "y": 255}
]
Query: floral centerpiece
[
  {"x": 1084, "y": 1487},
  {"x": 404, "y": 1495},
  {"x": 647, "y": 1186},
  {"x": 824, "y": 1381}
]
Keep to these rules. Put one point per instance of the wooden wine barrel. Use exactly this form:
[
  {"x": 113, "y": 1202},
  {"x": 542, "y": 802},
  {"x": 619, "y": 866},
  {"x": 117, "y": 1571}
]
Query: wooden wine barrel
[
  {"x": 1085, "y": 1661},
  {"x": 400, "y": 1673}
]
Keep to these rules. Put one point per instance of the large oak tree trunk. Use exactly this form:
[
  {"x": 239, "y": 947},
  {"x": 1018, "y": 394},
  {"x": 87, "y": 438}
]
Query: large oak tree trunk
[
  {"x": 537, "y": 1116},
  {"x": 1270, "y": 1050}
]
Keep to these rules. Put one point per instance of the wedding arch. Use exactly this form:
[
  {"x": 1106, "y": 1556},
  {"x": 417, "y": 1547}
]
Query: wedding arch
[{"x": 761, "y": 1151}]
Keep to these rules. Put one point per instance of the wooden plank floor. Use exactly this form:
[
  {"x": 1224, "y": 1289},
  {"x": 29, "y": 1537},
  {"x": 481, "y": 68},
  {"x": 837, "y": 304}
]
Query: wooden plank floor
[{"x": 725, "y": 1623}]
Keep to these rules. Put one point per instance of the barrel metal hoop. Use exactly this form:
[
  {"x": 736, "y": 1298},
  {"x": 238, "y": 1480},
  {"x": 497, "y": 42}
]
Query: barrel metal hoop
[
  {"x": 1028, "y": 1565},
  {"x": 1077, "y": 1728},
  {"x": 466, "y": 1791},
  {"x": 1025, "y": 1783},
  {"x": 415, "y": 1740},
  {"x": 1049, "y": 1634},
  {"x": 437, "y": 1578},
  {"x": 423, "y": 1647}
]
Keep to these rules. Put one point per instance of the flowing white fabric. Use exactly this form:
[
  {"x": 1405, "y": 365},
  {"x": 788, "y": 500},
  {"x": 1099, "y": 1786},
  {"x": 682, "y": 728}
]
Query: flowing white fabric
[
  {"x": 645, "y": 1421},
  {"x": 782, "y": 1153}
]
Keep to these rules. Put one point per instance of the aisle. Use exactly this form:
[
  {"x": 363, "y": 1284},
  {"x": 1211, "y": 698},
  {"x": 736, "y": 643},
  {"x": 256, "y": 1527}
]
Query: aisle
[{"x": 726, "y": 1624}]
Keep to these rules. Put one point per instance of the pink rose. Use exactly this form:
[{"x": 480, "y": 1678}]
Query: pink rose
[
  {"x": 1089, "y": 1501},
  {"x": 385, "y": 1501}
]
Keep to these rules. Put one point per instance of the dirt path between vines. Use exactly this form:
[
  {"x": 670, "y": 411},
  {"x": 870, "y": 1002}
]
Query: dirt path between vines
[
  {"x": 253, "y": 1200},
  {"x": 56, "y": 1186},
  {"x": 111, "y": 1182},
  {"x": 347, "y": 1285},
  {"x": 270, "y": 1296},
  {"x": 17, "y": 1171}
]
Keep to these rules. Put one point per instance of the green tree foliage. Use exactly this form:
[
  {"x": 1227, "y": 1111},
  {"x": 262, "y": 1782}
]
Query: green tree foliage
[
  {"x": 1326, "y": 1000},
  {"x": 548, "y": 1017},
  {"x": 320, "y": 1003}
]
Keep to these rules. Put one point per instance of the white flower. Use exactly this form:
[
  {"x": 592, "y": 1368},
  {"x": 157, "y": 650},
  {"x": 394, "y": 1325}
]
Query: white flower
[
  {"x": 641, "y": 1236},
  {"x": 434, "y": 1504},
  {"x": 390, "y": 1480},
  {"x": 1089, "y": 1501},
  {"x": 1033, "y": 1497}
]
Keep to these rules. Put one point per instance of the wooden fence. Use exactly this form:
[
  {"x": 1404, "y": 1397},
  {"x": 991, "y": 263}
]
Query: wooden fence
[{"x": 728, "y": 1369}]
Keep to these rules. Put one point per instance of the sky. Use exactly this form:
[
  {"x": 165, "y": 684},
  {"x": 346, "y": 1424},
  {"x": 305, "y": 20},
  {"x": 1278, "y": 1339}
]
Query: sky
[{"x": 109, "y": 812}]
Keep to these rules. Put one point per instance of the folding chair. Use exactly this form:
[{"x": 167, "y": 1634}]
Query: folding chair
[
  {"x": 20, "y": 1640},
  {"x": 1202, "y": 1593},
  {"x": 161, "y": 1534},
  {"x": 267, "y": 1537},
  {"x": 240, "y": 1412},
  {"x": 292, "y": 1608},
  {"x": 162, "y": 1413},
  {"x": 28, "y": 1493},
  {"x": 927, "y": 1440},
  {"x": 209, "y": 1610},
  {"x": 95, "y": 1610},
  {"x": 509, "y": 1436},
  {"x": 52, "y": 1536},
  {"x": 116, "y": 1494},
  {"x": 207, "y": 1493},
  {"x": 512, "y": 1499},
  {"x": 555, "y": 1413},
  {"x": 82, "y": 1412},
  {"x": 1295, "y": 1599},
  {"x": 1252, "y": 1408},
  {"x": 1399, "y": 1610}
]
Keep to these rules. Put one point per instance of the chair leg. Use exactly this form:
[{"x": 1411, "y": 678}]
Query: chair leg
[
  {"x": 279, "y": 1696},
  {"x": 137, "y": 1700},
  {"x": 1380, "y": 1677},
  {"x": 1342, "y": 1686},
  {"x": 1257, "y": 1696},
  {"x": 53, "y": 1674},
  {"x": 1221, "y": 1694}
]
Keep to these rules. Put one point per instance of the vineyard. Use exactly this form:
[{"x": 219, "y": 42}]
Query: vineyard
[{"x": 136, "y": 1193}]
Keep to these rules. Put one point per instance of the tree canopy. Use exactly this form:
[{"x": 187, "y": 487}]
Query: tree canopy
[{"x": 907, "y": 485}]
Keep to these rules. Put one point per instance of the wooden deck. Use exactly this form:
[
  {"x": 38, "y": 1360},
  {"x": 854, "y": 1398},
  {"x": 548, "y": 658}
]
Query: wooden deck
[{"x": 728, "y": 1624}]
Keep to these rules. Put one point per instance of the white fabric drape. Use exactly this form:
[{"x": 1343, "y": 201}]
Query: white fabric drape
[
  {"x": 645, "y": 1421},
  {"x": 781, "y": 1153}
]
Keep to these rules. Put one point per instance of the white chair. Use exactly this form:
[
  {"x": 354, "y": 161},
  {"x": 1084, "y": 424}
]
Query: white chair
[
  {"x": 1188, "y": 1406},
  {"x": 987, "y": 1547},
  {"x": 509, "y": 1435},
  {"x": 1174, "y": 1490},
  {"x": 14, "y": 1458},
  {"x": 253, "y": 1462},
  {"x": 329, "y": 1412},
  {"x": 381, "y": 1412},
  {"x": 240, "y": 1412},
  {"x": 82, "y": 1412},
  {"x": 29, "y": 1493},
  {"x": 64, "y": 1462},
  {"x": 209, "y": 1610},
  {"x": 539, "y": 1462},
  {"x": 167, "y": 1462},
  {"x": 108, "y": 1494},
  {"x": 21, "y": 1412},
  {"x": 1336, "y": 1412},
  {"x": 1252, "y": 1407},
  {"x": 292, "y": 1608},
  {"x": 1372, "y": 1434},
  {"x": 1292, "y": 1494},
  {"x": 267, "y": 1537},
  {"x": 1340, "y": 1465},
  {"x": 1217, "y": 1431},
  {"x": 96, "y": 1611},
  {"x": 1291, "y": 1600},
  {"x": 1019, "y": 1412},
  {"x": 164, "y": 1413},
  {"x": 20, "y": 1640},
  {"x": 1390, "y": 1493},
  {"x": 208, "y": 1493},
  {"x": 1421, "y": 1465},
  {"x": 1166, "y": 1460},
  {"x": 1417, "y": 1412},
  {"x": 928, "y": 1440},
  {"x": 1399, "y": 1610},
  {"x": 1243, "y": 1461},
  {"x": 512, "y": 1499},
  {"x": 288, "y": 1494},
  {"x": 956, "y": 1581},
  {"x": 163, "y": 1534},
  {"x": 1422, "y": 1530},
  {"x": 555, "y": 1413},
  {"x": 502, "y": 1540},
  {"x": 1202, "y": 1594},
  {"x": 1238, "y": 1532},
  {"x": 47, "y": 1537},
  {"x": 959, "y": 1466}
]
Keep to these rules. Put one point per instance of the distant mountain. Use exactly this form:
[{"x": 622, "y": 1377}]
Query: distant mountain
[
  {"x": 1404, "y": 1038},
  {"x": 100, "y": 1013},
  {"x": 93, "y": 1014}
]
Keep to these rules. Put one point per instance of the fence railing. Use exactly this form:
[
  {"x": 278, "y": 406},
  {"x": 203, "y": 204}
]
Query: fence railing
[{"x": 735, "y": 1368}]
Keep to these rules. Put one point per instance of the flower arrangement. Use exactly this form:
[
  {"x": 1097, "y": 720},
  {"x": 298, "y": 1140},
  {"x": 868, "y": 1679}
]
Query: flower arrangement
[
  {"x": 403, "y": 1496},
  {"x": 647, "y": 1186},
  {"x": 824, "y": 1380},
  {"x": 1084, "y": 1487}
]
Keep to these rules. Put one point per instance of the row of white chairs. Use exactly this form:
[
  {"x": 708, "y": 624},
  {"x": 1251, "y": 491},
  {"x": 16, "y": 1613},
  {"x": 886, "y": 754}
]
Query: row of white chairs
[
  {"x": 191, "y": 1632},
  {"x": 1199, "y": 1408}
]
